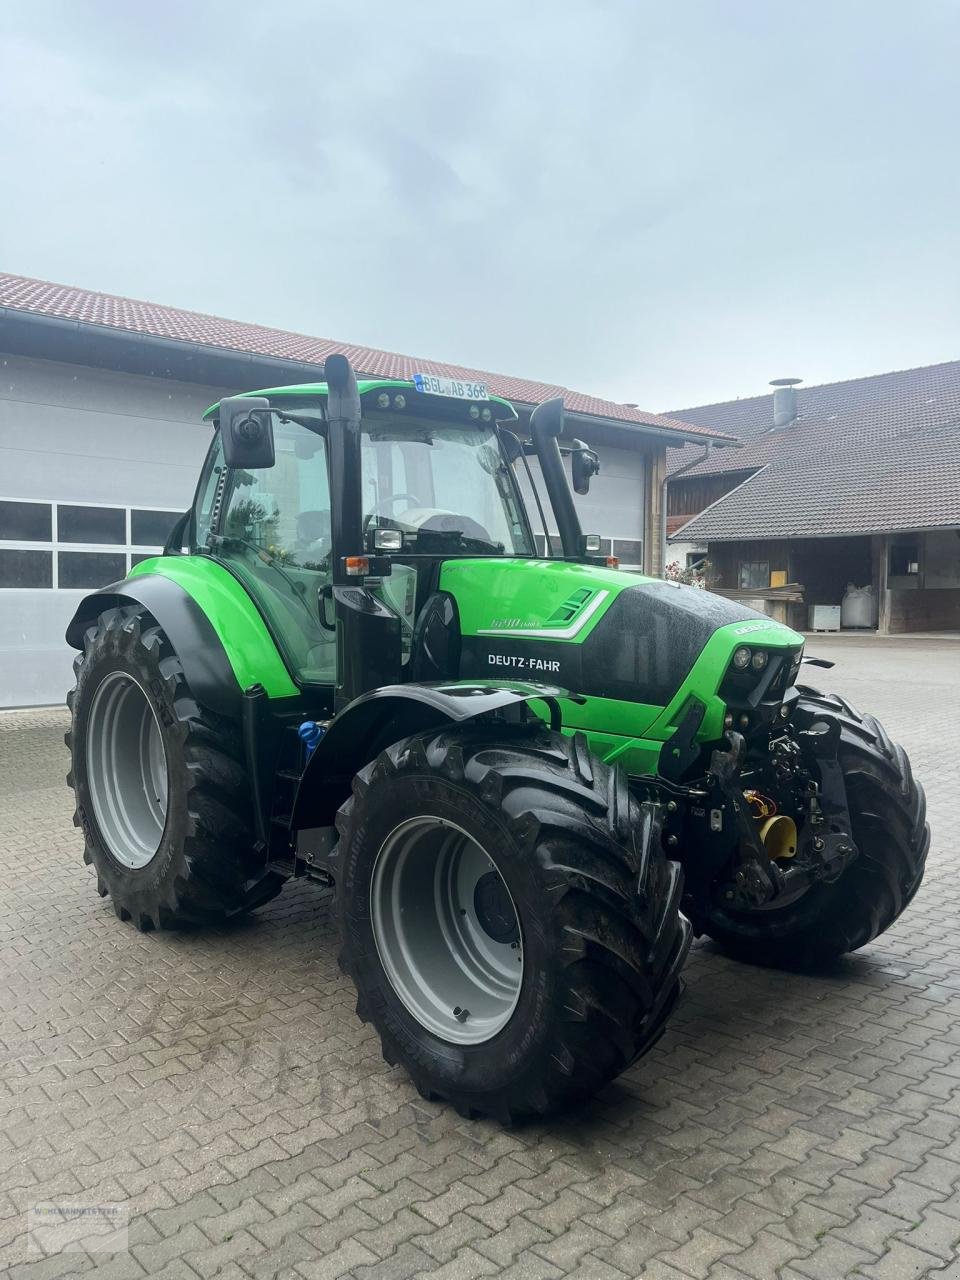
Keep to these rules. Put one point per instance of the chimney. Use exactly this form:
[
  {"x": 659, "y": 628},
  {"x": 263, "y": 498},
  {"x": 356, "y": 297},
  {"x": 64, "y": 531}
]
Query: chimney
[{"x": 784, "y": 401}]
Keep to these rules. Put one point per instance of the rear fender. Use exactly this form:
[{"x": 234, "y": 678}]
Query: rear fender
[
  {"x": 198, "y": 646},
  {"x": 376, "y": 719}
]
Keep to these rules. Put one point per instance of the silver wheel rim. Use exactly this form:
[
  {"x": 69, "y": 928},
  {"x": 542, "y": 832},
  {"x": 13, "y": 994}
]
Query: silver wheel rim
[
  {"x": 126, "y": 770},
  {"x": 447, "y": 930}
]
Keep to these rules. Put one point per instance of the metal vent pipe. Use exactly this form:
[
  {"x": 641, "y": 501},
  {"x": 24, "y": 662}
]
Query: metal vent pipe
[{"x": 784, "y": 401}]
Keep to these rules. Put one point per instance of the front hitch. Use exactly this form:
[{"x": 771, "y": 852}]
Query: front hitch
[
  {"x": 831, "y": 831},
  {"x": 756, "y": 879},
  {"x": 827, "y": 846}
]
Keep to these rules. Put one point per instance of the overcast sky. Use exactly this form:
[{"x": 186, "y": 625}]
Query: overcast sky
[{"x": 661, "y": 203}]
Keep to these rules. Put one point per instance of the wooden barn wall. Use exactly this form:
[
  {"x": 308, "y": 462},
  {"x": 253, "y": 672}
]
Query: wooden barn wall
[
  {"x": 687, "y": 497},
  {"x": 824, "y": 566}
]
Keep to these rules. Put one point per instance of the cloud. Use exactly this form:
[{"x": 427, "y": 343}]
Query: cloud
[{"x": 665, "y": 204}]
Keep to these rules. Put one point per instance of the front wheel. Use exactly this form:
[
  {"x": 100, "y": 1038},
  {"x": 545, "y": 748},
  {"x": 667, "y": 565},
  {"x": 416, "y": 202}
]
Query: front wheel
[
  {"x": 508, "y": 917},
  {"x": 888, "y": 816},
  {"x": 161, "y": 793}
]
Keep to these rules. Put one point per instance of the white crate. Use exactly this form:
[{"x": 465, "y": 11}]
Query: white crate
[{"x": 825, "y": 617}]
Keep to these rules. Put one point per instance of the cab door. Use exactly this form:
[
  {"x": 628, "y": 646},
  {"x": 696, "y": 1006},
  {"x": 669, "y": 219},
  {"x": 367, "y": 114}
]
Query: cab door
[{"x": 272, "y": 528}]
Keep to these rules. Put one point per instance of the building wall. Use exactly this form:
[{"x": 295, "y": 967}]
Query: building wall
[
  {"x": 927, "y": 609},
  {"x": 823, "y": 566},
  {"x": 928, "y": 600},
  {"x": 941, "y": 558},
  {"x": 614, "y": 507},
  {"x": 83, "y": 438},
  {"x": 689, "y": 495}
]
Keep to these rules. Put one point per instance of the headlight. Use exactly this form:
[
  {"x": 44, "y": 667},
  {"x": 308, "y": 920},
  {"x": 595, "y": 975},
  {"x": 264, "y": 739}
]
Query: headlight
[
  {"x": 759, "y": 659},
  {"x": 741, "y": 659},
  {"x": 383, "y": 400}
]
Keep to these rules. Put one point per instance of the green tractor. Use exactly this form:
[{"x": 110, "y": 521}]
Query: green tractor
[{"x": 531, "y": 778}]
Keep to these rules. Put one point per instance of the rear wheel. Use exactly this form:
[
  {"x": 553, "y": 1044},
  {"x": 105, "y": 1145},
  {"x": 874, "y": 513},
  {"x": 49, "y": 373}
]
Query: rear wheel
[
  {"x": 508, "y": 917},
  {"x": 888, "y": 816},
  {"x": 161, "y": 794}
]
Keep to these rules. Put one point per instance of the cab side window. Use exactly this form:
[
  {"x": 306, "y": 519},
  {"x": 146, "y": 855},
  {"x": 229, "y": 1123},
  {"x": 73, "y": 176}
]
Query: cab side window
[{"x": 276, "y": 536}]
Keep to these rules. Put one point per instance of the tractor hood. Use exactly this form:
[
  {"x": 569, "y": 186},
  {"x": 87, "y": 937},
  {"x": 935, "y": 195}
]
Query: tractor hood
[{"x": 595, "y": 631}]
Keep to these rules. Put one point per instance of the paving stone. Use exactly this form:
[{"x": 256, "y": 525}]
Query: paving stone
[
  {"x": 335, "y": 1265},
  {"x": 443, "y": 1243},
  {"x": 697, "y": 1256},
  {"x": 467, "y": 1265},
  {"x": 400, "y": 1264},
  {"x": 833, "y": 1258},
  {"x": 906, "y": 1200},
  {"x": 566, "y": 1249},
  {"x": 505, "y": 1246},
  {"x": 440, "y": 1209},
  {"x": 496, "y": 1213},
  {"x": 869, "y": 1227},
  {"x": 934, "y": 1233},
  {"x": 594, "y": 1268},
  {"x": 632, "y": 1253},
  {"x": 766, "y": 1256},
  {"x": 682, "y": 1218},
  {"x": 744, "y": 1222},
  {"x": 902, "y": 1262}
]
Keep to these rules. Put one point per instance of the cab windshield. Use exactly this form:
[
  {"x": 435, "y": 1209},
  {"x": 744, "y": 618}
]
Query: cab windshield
[{"x": 447, "y": 489}]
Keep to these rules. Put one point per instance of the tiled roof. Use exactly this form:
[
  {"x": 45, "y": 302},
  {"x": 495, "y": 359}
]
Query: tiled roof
[
  {"x": 39, "y": 296},
  {"x": 868, "y": 456},
  {"x": 907, "y": 398}
]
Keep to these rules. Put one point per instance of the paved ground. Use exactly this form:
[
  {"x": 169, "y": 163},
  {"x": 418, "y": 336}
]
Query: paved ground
[{"x": 219, "y": 1085}]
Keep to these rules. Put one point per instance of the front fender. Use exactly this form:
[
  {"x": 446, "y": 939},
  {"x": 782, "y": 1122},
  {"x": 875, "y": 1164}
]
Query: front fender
[
  {"x": 376, "y": 719},
  {"x": 205, "y": 663}
]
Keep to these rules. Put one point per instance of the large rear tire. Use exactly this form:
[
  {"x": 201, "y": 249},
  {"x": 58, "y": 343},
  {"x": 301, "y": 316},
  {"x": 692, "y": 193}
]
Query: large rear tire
[
  {"x": 161, "y": 793},
  {"x": 508, "y": 917},
  {"x": 888, "y": 815}
]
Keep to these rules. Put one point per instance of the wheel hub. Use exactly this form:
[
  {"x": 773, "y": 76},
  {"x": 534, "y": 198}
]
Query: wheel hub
[
  {"x": 494, "y": 908},
  {"x": 446, "y": 930},
  {"x": 126, "y": 770}
]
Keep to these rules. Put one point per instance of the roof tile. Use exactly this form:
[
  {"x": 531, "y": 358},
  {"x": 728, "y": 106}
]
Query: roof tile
[
  {"x": 40, "y": 296},
  {"x": 872, "y": 455}
]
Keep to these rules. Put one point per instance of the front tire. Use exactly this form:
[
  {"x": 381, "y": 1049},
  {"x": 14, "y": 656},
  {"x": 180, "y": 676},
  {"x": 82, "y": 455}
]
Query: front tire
[
  {"x": 161, "y": 795},
  {"x": 888, "y": 815},
  {"x": 519, "y": 835}
]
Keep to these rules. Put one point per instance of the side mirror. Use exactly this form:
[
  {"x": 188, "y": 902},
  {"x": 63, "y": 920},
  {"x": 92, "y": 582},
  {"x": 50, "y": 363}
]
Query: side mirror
[
  {"x": 585, "y": 465},
  {"x": 246, "y": 429}
]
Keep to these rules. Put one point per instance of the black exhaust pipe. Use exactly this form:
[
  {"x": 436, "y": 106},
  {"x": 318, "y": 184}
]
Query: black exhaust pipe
[
  {"x": 343, "y": 434},
  {"x": 546, "y": 423}
]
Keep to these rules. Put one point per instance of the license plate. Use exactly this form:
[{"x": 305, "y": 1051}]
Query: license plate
[{"x": 431, "y": 385}]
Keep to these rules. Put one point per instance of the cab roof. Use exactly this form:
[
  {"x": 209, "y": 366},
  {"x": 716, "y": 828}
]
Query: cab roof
[{"x": 318, "y": 389}]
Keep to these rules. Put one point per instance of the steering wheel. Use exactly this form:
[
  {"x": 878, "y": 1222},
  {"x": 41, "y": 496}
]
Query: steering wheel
[{"x": 414, "y": 501}]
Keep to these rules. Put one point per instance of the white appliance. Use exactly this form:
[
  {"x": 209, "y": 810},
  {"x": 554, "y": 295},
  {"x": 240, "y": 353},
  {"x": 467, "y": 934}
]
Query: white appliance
[{"x": 825, "y": 617}]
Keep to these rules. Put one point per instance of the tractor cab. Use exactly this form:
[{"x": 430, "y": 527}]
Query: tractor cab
[{"x": 345, "y": 503}]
